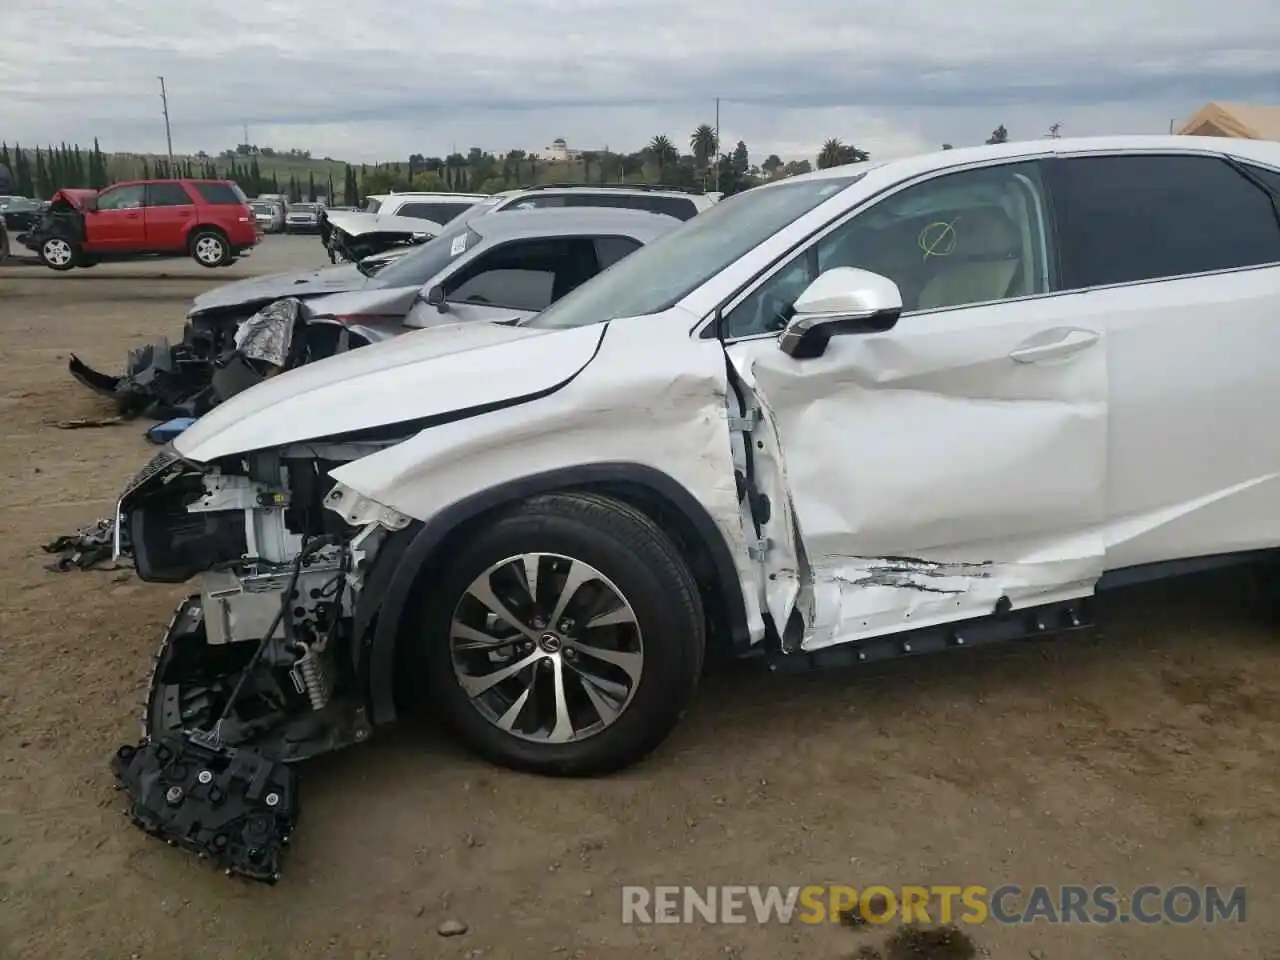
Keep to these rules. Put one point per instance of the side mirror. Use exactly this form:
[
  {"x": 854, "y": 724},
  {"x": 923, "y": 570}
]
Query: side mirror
[
  {"x": 435, "y": 298},
  {"x": 842, "y": 301},
  {"x": 91, "y": 204}
]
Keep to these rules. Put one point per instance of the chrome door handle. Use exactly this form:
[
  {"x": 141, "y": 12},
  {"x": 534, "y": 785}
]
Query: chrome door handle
[{"x": 1065, "y": 344}]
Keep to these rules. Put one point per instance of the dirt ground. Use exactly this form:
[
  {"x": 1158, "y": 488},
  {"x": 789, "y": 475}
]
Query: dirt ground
[{"x": 1142, "y": 752}]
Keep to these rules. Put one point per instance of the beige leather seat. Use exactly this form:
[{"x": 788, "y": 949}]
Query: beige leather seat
[{"x": 982, "y": 265}]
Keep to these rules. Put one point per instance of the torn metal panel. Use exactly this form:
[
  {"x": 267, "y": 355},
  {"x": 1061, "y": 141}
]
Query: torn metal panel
[
  {"x": 637, "y": 402},
  {"x": 933, "y": 444},
  {"x": 268, "y": 335}
]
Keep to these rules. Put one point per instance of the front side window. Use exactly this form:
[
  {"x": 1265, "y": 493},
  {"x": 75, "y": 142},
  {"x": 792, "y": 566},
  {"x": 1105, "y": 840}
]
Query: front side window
[
  {"x": 664, "y": 272},
  {"x": 122, "y": 198},
  {"x": 963, "y": 238},
  {"x": 1125, "y": 219},
  {"x": 524, "y": 274},
  {"x": 167, "y": 195}
]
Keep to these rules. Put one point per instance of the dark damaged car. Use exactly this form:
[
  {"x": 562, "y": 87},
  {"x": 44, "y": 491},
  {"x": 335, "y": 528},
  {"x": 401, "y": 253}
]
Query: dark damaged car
[{"x": 6, "y": 188}]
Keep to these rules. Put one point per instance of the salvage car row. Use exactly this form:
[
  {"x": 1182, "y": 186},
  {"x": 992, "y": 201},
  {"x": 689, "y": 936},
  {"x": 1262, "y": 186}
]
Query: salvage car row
[
  {"x": 479, "y": 267},
  {"x": 879, "y": 410}
]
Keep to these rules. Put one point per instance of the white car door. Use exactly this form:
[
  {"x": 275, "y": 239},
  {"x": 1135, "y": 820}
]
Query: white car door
[
  {"x": 1178, "y": 255},
  {"x": 951, "y": 466}
]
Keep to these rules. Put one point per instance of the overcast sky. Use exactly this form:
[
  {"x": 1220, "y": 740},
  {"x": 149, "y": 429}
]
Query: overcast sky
[{"x": 380, "y": 79}]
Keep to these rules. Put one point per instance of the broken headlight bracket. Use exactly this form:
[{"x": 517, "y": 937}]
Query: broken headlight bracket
[{"x": 234, "y": 807}]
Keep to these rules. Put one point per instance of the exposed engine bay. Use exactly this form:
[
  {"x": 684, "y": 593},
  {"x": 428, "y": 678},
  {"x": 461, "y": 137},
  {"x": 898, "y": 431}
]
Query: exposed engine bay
[{"x": 259, "y": 660}]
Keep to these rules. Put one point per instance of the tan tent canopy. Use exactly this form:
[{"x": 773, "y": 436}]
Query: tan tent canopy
[{"x": 1242, "y": 121}]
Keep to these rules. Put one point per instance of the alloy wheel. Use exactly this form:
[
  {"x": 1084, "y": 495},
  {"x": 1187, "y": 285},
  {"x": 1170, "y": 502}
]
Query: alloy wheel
[
  {"x": 546, "y": 647},
  {"x": 57, "y": 252},
  {"x": 209, "y": 250}
]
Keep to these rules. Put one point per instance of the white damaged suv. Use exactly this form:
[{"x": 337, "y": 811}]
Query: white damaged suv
[{"x": 879, "y": 410}]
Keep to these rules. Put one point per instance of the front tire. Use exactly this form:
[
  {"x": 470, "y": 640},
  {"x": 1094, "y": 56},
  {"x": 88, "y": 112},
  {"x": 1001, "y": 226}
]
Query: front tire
[
  {"x": 59, "y": 253},
  {"x": 566, "y": 637},
  {"x": 210, "y": 248}
]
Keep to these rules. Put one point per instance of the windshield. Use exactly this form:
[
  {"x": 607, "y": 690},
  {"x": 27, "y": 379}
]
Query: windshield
[
  {"x": 661, "y": 274},
  {"x": 424, "y": 262},
  {"x": 305, "y": 207},
  {"x": 267, "y": 208}
]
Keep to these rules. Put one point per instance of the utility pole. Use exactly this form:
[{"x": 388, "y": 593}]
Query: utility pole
[
  {"x": 717, "y": 179},
  {"x": 164, "y": 101}
]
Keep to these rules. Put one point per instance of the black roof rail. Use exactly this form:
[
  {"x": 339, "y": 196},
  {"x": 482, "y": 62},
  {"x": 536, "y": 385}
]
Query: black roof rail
[{"x": 615, "y": 186}]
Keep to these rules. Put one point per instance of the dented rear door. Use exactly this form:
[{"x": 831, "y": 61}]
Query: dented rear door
[{"x": 936, "y": 469}]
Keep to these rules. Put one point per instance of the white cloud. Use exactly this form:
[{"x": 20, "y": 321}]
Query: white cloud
[{"x": 385, "y": 78}]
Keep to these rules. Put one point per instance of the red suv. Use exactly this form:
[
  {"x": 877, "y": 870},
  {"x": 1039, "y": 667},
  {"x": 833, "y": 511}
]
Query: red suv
[{"x": 208, "y": 220}]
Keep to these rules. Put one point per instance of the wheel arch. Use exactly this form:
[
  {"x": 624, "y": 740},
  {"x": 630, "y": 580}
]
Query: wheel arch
[{"x": 410, "y": 555}]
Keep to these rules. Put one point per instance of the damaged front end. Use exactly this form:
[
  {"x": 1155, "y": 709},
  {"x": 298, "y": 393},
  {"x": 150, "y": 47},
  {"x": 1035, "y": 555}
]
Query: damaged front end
[
  {"x": 260, "y": 665},
  {"x": 162, "y": 382},
  {"x": 352, "y": 236}
]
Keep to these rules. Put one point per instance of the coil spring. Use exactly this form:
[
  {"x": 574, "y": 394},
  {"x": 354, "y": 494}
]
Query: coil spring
[{"x": 315, "y": 679}]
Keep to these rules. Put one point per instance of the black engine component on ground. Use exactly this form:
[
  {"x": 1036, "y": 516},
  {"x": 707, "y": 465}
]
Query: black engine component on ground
[
  {"x": 88, "y": 548},
  {"x": 160, "y": 382},
  {"x": 229, "y": 805}
]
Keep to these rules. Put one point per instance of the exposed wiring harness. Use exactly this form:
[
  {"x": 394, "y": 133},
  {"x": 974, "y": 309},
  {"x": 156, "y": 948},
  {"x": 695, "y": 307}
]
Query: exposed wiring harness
[{"x": 309, "y": 547}]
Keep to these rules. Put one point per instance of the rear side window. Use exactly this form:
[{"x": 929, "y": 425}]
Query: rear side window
[
  {"x": 1135, "y": 218},
  {"x": 609, "y": 250},
  {"x": 677, "y": 207},
  {"x": 220, "y": 194},
  {"x": 439, "y": 212},
  {"x": 167, "y": 195}
]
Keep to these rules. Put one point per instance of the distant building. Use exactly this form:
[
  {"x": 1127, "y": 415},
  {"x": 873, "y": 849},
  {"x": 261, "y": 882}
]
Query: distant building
[
  {"x": 559, "y": 150},
  {"x": 1240, "y": 121}
]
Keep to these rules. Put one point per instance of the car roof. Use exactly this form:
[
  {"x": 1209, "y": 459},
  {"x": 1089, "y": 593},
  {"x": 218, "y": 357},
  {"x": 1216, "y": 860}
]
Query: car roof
[
  {"x": 420, "y": 195},
  {"x": 613, "y": 188},
  {"x": 568, "y": 221},
  {"x": 1264, "y": 151}
]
